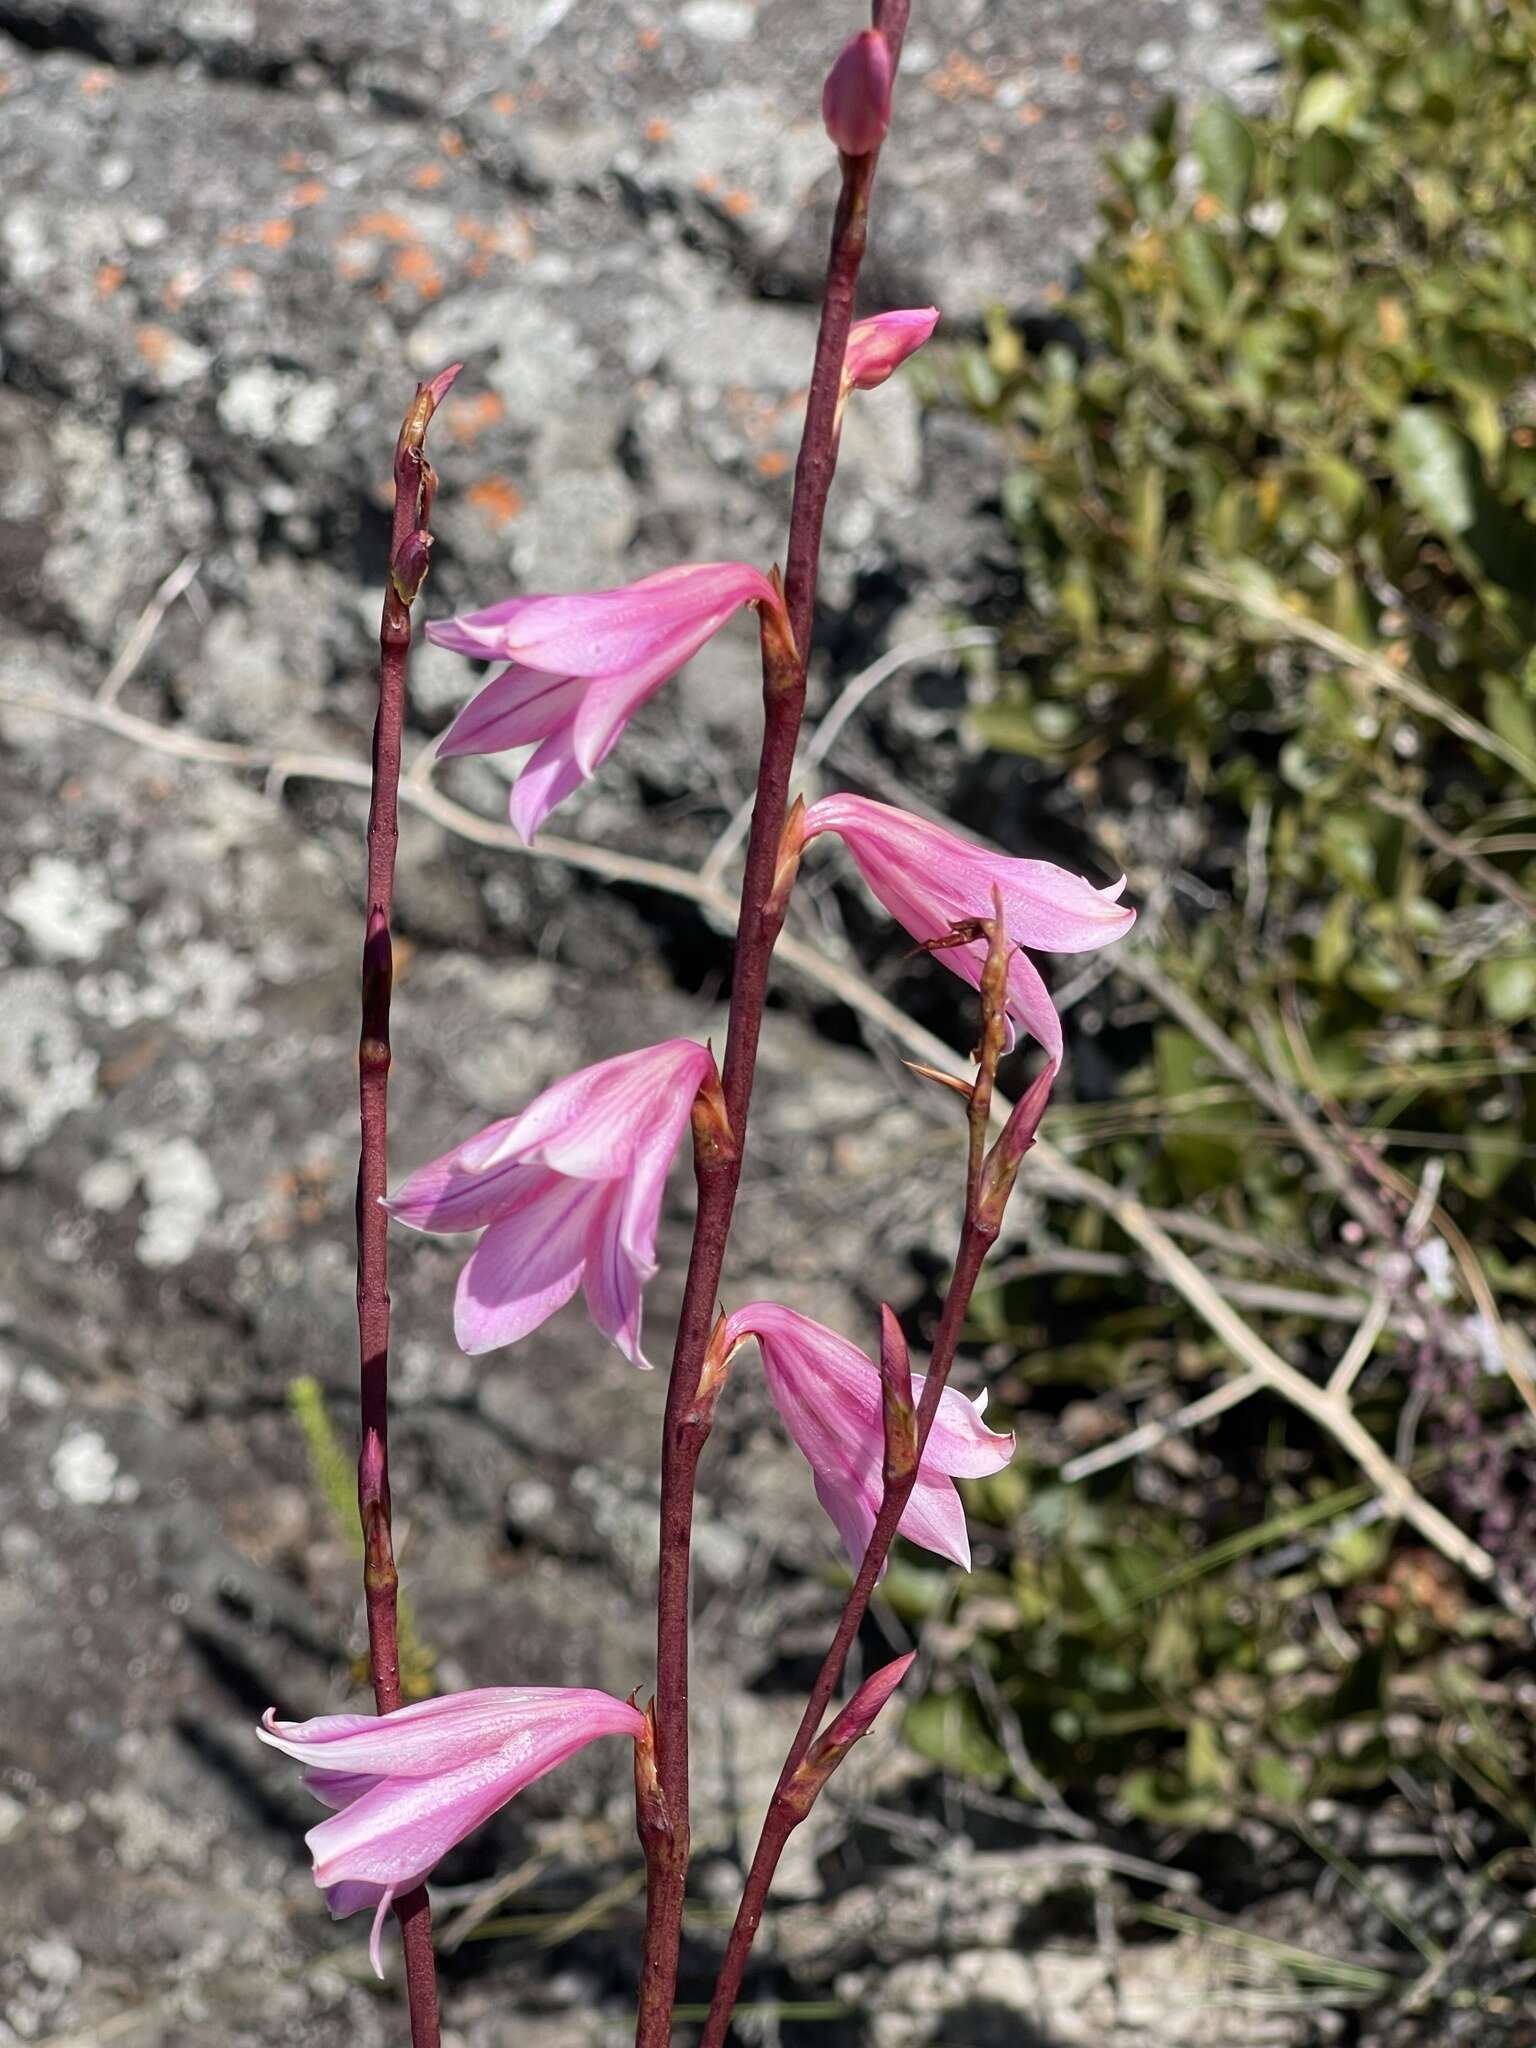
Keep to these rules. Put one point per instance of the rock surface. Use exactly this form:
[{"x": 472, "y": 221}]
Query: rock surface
[{"x": 233, "y": 233}]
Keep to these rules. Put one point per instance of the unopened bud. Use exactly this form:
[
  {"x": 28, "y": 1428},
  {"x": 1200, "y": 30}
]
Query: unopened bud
[
  {"x": 713, "y": 1142},
  {"x": 856, "y": 99},
  {"x": 408, "y": 571},
  {"x": 898, "y": 1413},
  {"x": 1002, "y": 1165},
  {"x": 373, "y": 1506},
  {"x": 851, "y": 1725},
  {"x": 994, "y": 987}
]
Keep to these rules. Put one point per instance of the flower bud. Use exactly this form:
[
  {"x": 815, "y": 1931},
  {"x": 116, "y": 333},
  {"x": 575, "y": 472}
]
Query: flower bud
[
  {"x": 1007, "y": 1155},
  {"x": 713, "y": 1139},
  {"x": 851, "y": 1725},
  {"x": 408, "y": 571},
  {"x": 856, "y": 99}
]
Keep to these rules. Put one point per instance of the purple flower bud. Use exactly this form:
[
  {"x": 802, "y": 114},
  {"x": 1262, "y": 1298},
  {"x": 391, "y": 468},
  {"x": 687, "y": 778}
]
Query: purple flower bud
[{"x": 856, "y": 99}]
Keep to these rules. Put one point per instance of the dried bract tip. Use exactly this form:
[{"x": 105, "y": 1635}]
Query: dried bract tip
[
  {"x": 713, "y": 1140},
  {"x": 653, "y": 1822},
  {"x": 898, "y": 1411},
  {"x": 787, "y": 865},
  {"x": 856, "y": 99},
  {"x": 781, "y": 658},
  {"x": 713, "y": 1373},
  {"x": 951, "y": 1081}
]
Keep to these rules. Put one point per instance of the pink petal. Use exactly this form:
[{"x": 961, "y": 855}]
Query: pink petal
[
  {"x": 516, "y": 706},
  {"x": 603, "y": 632},
  {"x": 879, "y": 346},
  {"x": 376, "y": 1932},
  {"x": 603, "y": 1121},
  {"x": 544, "y": 784},
  {"x": 524, "y": 1268},
  {"x": 959, "y": 1442},
  {"x": 346, "y": 1899},
  {"x": 337, "y": 1789},
  {"x": 613, "y": 1281},
  {"x": 934, "y": 1519},
  {"x": 468, "y": 1187}
]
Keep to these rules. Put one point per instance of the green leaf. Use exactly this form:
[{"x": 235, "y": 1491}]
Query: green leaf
[
  {"x": 1202, "y": 268},
  {"x": 1509, "y": 988},
  {"x": 1436, "y": 466},
  {"x": 1330, "y": 100},
  {"x": 1228, "y": 156},
  {"x": 950, "y": 1729}
]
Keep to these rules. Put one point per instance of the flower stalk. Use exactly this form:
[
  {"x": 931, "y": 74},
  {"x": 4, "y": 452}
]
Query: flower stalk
[
  {"x": 410, "y": 547},
  {"x": 798, "y": 1782},
  {"x": 763, "y": 907}
]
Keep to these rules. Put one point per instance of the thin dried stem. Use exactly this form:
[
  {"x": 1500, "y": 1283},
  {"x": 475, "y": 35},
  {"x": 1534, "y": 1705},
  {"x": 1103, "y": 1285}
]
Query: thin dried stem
[{"x": 410, "y": 543}]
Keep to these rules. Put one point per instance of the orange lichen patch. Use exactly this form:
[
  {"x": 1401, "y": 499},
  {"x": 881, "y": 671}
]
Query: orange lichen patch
[
  {"x": 707, "y": 183},
  {"x": 413, "y": 265},
  {"x": 467, "y": 418},
  {"x": 1030, "y": 113},
  {"x": 156, "y": 345},
  {"x": 478, "y": 265},
  {"x": 657, "y": 130},
  {"x": 293, "y": 161},
  {"x": 648, "y": 38},
  {"x": 389, "y": 227},
  {"x": 179, "y": 287},
  {"x": 1071, "y": 61},
  {"x": 497, "y": 500},
  {"x": 960, "y": 78},
  {"x": 243, "y": 281},
  {"x": 94, "y": 83},
  {"x": 7, "y": 80},
  {"x": 426, "y": 177},
  {"x": 108, "y": 277},
  {"x": 773, "y": 462},
  {"x": 309, "y": 193},
  {"x": 504, "y": 103},
  {"x": 737, "y": 203},
  {"x": 450, "y": 142},
  {"x": 276, "y": 233}
]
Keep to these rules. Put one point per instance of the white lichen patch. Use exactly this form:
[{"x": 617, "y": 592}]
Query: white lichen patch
[
  {"x": 65, "y": 911},
  {"x": 85, "y": 1471},
  {"x": 45, "y": 1070}
]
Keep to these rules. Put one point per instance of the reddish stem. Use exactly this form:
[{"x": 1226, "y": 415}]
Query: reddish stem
[
  {"x": 409, "y": 546},
  {"x": 719, "y": 1174},
  {"x": 785, "y": 1812}
]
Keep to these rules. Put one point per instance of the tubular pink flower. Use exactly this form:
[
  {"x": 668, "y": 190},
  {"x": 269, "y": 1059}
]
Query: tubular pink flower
[
  {"x": 405, "y": 1788},
  {"x": 856, "y": 99},
  {"x": 570, "y": 1191},
  {"x": 931, "y": 880},
  {"x": 580, "y": 667},
  {"x": 828, "y": 1394},
  {"x": 882, "y": 344}
]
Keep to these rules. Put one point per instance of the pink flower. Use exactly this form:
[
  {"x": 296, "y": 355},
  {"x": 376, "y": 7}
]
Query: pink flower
[
  {"x": 580, "y": 668},
  {"x": 571, "y": 1191},
  {"x": 882, "y": 344},
  {"x": 856, "y": 99},
  {"x": 828, "y": 1393},
  {"x": 930, "y": 880},
  {"x": 405, "y": 1788}
]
